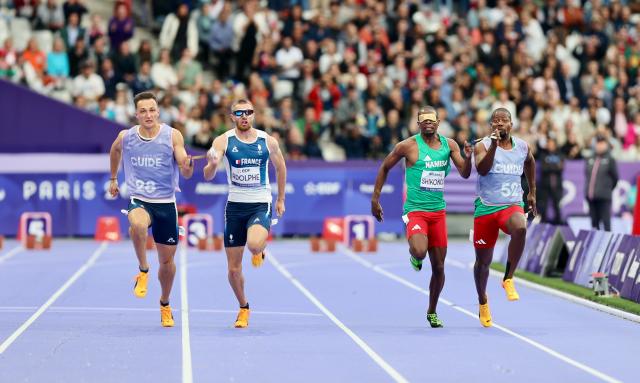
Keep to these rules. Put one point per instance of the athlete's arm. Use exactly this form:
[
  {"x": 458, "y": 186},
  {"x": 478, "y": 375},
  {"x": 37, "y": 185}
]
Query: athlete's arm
[
  {"x": 462, "y": 164},
  {"x": 185, "y": 162},
  {"x": 275, "y": 155},
  {"x": 213, "y": 157},
  {"x": 398, "y": 153},
  {"x": 484, "y": 157},
  {"x": 530, "y": 174},
  {"x": 115, "y": 156}
]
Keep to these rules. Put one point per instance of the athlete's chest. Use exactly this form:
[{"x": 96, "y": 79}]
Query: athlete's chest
[{"x": 241, "y": 154}]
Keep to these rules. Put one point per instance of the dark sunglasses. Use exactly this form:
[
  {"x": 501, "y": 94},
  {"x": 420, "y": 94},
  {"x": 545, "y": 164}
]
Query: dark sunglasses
[{"x": 241, "y": 112}]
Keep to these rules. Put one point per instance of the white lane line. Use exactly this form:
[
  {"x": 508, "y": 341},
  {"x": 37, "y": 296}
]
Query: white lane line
[
  {"x": 79, "y": 309},
  {"x": 11, "y": 253},
  {"x": 94, "y": 257},
  {"x": 393, "y": 373},
  {"x": 187, "y": 370},
  {"x": 532, "y": 342}
]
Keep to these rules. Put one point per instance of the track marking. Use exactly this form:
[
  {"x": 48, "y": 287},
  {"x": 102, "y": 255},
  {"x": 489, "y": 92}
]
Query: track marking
[
  {"x": 393, "y": 373},
  {"x": 562, "y": 357},
  {"x": 90, "y": 262},
  {"x": 11, "y": 253},
  {"x": 187, "y": 369}
]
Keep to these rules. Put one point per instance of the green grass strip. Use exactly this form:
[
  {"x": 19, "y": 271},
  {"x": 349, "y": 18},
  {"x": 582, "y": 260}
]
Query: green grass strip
[{"x": 573, "y": 289}]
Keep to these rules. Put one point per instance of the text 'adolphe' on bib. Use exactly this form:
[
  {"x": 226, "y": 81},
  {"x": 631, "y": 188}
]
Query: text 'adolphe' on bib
[
  {"x": 246, "y": 177},
  {"x": 432, "y": 180}
]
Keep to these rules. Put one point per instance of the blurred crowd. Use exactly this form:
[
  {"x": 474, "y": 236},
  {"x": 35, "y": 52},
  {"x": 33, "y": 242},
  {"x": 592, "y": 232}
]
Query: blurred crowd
[{"x": 344, "y": 79}]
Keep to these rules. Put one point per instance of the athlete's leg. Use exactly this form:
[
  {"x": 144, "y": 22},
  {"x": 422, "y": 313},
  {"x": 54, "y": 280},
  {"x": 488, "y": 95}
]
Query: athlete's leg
[
  {"x": 139, "y": 221},
  {"x": 418, "y": 245},
  {"x": 485, "y": 234},
  {"x": 437, "y": 256},
  {"x": 234, "y": 266},
  {"x": 167, "y": 269},
  {"x": 481, "y": 272},
  {"x": 516, "y": 226},
  {"x": 257, "y": 238}
]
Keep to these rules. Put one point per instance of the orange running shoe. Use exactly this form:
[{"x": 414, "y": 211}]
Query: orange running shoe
[
  {"x": 242, "y": 320},
  {"x": 510, "y": 289},
  {"x": 166, "y": 316},
  {"x": 140, "y": 288},
  {"x": 258, "y": 259},
  {"x": 485, "y": 315}
]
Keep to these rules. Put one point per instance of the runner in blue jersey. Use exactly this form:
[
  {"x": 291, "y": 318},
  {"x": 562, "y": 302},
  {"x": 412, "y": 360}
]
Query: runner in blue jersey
[
  {"x": 246, "y": 152},
  {"x": 153, "y": 155},
  {"x": 501, "y": 159}
]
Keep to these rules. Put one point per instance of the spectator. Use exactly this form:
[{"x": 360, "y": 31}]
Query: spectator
[
  {"x": 162, "y": 73},
  {"x": 601, "y": 178},
  {"x": 58, "y": 61},
  {"x": 88, "y": 84},
  {"x": 143, "y": 79},
  {"x": 73, "y": 31},
  {"x": 124, "y": 63},
  {"x": 50, "y": 16},
  {"x": 34, "y": 56},
  {"x": 77, "y": 55},
  {"x": 550, "y": 182},
  {"x": 144, "y": 53},
  {"x": 220, "y": 39},
  {"x": 96, "y": 29},
  {"x": 73, "y": 6},
  {"x": 120, "y": 26},
  {"x": 179, "y": 31},
  {"x": 99, "y": 51}
]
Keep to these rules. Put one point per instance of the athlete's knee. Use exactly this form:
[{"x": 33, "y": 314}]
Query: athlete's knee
[
  {"x": 138, "y": 229},
  {"x": 418, "y": 252},
  {"x": 235, "y": 271},
  {"x": 438, "y": 269},
  {"x": 519, "y": 232},
  {"x": 255, "y": 246}
]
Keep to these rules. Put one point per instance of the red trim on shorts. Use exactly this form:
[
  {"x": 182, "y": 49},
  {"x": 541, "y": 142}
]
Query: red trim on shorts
[
  {"x": 433, "y": 224},
  {"x": 485, "y": 227}
]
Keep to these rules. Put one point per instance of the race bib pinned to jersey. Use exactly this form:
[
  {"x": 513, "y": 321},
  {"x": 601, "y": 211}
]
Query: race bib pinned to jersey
[
  {"x": 432, "y": 180},
  {"x": 245, "y": 177}
]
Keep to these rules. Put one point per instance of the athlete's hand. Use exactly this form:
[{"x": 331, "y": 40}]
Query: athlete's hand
[
  {"x": 531, "y": 200},
  {"x": 468, "y": 149},
  {"x": 280, "y": 207},
  {"x": 188, "y": 163},
  {"x": 212, "y": 157},
  {"x": 495, "y": 135},
  {"x": 376, "y": 210},
  {"x": 113, "y": 188}
]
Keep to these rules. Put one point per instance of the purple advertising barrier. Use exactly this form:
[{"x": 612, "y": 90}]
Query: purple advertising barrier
[
  {"x": 55, "y": 127},
  {"x": 568, "y": 236},
  {"x": 536, "y": 257},
  {"x": 314, "y": 190},
  {"x": 630, "y": 275},
  {"x": 582, "y": 242},
  {"x": 590, "y": 257},
  {"x": 612, "y": 249},
  {"x": 620, "y": 260}
]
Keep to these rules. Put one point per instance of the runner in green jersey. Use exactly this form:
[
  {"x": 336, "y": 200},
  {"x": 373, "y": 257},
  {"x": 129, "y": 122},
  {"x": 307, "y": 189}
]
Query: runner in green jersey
[{"x": 427, "y": 159}]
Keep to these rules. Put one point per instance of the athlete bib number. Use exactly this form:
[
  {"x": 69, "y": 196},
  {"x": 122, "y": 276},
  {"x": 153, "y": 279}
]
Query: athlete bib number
[
  {"x": 511, "y": 189},
  {"x": 432, "y": 180},
  {"x": 245, "y": 177},
  {"x": 145, "y": 186}
]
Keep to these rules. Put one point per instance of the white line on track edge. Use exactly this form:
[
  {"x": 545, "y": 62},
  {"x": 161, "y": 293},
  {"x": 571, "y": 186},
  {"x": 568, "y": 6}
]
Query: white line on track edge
[{"x": 393, "y": 373}]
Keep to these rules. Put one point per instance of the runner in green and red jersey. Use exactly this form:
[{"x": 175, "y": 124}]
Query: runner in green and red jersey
[{"x": 427, "y": 159}]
